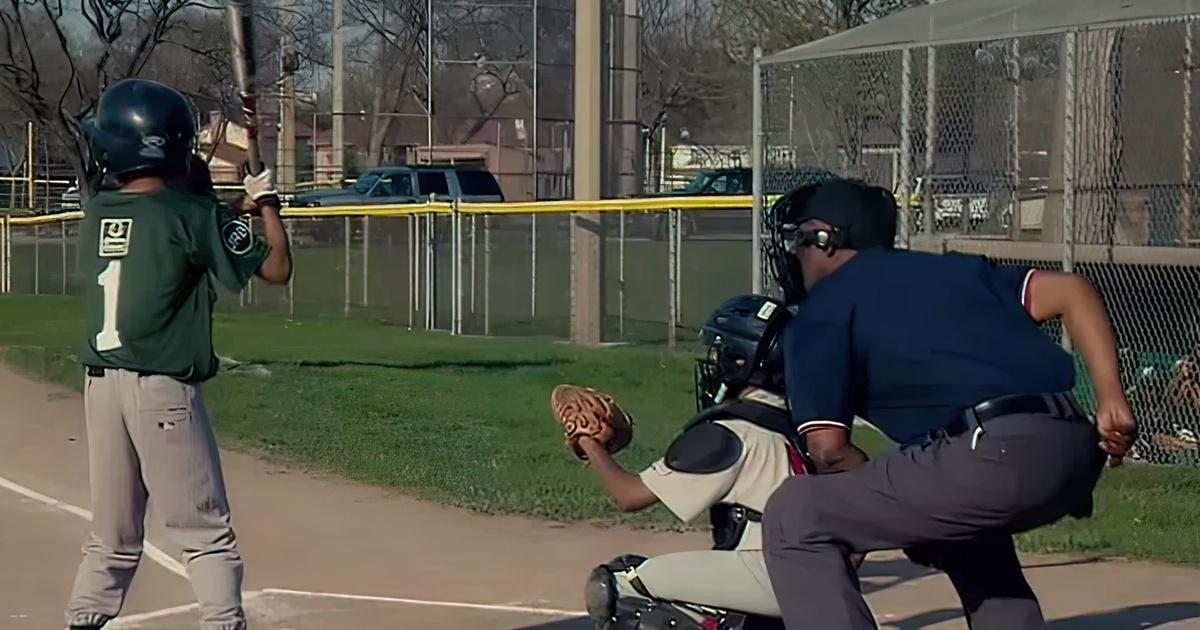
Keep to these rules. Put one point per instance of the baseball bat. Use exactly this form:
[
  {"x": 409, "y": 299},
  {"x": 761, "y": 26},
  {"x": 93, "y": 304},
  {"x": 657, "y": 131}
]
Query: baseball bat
[{"x": 241, "y": 36}]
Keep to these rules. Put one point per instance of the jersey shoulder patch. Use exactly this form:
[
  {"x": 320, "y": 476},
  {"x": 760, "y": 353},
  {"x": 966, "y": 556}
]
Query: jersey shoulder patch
[
  {"x": 704, "y": 449},
  {"x": 237, "y": 237}
]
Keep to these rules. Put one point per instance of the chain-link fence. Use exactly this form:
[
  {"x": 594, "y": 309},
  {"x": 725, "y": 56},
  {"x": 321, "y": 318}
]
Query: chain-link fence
[
  {"x": 1072, "y": 148},
  {"x": 664, "y": 270}
]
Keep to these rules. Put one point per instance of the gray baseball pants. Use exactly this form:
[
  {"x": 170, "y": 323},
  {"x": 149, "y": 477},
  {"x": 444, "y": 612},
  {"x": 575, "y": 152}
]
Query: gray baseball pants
[
  {"x": 951, "y": 503},
  {"x": 730, "y": 580},
  {"x": 149, "y": 437}
]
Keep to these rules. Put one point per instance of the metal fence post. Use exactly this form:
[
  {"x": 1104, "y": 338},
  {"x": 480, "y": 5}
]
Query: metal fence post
[
  {"x": 1014, "y": 214},
  {"x": 905, "y": 146},
  {"x": 456, "y": 325},
  {"x": 621, "y": 276},
  {"x": 487, "y": 275},
  {"x": 756, "y": 161},
  {"x": 672, "y": 280},
  {"x": 366, "y": 260},
  {"x": 454, "y": 259},
  {"x": 4, "y": 254},
  {"x": 430, "y": 315},
  {"x": 1068, "y": 219},
  {"x": 532, "y": 263},
  {"x": 474, "y": 277},
  {"x": 572, "y": 293},
  {"x": 678, "y": 266},
  {"x": 62, "y": 241},
  {"x": 37, "y": 259},
  {"x": 346, "y": 261},
  {"x": 1189, "y": 67},
  {"x": 7, "y": 254},
  {"x": 928, "y": 212},
  {"x": 414, "y": 268}
]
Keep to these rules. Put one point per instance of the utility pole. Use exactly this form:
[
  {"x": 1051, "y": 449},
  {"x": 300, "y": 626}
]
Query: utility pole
[
  {"x": 587, "y": 312},
  {"x": 429, "y": 80},
  {"x": 339, "y": 71}
]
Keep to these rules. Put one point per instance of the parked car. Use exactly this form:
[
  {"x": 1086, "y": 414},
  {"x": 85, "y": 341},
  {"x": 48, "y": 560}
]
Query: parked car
[
  {"x": 987, "y": 198},
  {"x": 731, "y": 181},
  {"x": 409, "y": 184}
]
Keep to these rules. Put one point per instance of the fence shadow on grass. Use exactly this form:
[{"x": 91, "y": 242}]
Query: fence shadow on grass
[{"x": 485, "y": 364}]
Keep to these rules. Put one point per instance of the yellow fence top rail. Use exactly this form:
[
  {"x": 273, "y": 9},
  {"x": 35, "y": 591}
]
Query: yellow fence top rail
[
  {"x": 566, "y": 206},
  {"x": 44, "y": 219}
]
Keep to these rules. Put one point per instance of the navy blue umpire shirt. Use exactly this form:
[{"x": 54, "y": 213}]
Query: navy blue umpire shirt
[{"x": 907, "y": 341}]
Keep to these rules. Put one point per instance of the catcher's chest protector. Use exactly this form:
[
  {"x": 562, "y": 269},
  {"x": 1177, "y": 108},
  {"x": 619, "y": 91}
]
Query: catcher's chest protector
[
  {"x": 772, "y": 419},
  {"x": 705, "y": 447}
]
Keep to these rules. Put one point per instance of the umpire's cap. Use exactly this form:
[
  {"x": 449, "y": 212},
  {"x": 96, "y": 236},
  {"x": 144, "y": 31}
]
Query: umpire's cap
[
  {"x": 863, "y": 214},
  {"x": 140, "y": 128}
]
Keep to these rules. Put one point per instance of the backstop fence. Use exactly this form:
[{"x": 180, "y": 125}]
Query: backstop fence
[{"x": 1068, "y": 148}]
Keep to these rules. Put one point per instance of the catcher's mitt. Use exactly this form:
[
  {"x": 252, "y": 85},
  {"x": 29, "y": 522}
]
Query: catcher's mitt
[{"x": 583, "y": 411}]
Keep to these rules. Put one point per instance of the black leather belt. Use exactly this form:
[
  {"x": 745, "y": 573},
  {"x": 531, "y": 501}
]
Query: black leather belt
[
  {"x": 1060, "y": 406},
  {"x": 99, "y": 372}
]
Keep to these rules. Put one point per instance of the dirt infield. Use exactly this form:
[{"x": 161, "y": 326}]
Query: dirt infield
[{"x": 326, "y": 553}]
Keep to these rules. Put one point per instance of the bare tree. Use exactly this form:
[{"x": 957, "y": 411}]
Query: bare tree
[
  {"x": 53, "y": 72},
  {"x": 490, "y": 50},
  {"x": 395, "y": 45},
  {"x": 686, "y": 73}
]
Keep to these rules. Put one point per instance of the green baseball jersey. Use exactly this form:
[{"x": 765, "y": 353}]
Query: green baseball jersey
[{"x": 148, "y": 263}]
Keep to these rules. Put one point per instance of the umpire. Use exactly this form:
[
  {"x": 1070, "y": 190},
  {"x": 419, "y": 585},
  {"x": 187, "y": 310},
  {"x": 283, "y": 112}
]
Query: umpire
[{"x": 944, "y": 355}]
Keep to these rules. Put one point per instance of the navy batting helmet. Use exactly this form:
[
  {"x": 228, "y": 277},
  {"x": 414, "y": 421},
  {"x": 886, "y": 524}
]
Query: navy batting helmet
[
  {"x": 741, "y": 338},
  {"x": 141, "y": 128}
]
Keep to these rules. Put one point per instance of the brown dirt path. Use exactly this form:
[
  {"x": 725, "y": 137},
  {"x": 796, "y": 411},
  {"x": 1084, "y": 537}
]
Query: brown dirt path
[{"x": 372, "y": 552}]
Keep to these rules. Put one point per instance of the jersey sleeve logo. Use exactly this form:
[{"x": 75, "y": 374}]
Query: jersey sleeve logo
[
  {"x": 237, "y": 237},
  {"x": 114, "y": 237}
]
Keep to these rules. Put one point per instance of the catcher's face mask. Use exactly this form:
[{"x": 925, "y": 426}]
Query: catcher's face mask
[
  {"x": 718, "y": 376},
  {"x": 710, "y": 391}
]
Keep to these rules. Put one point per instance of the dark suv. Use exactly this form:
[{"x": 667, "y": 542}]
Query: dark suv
[{"x": 409, "y": 184}]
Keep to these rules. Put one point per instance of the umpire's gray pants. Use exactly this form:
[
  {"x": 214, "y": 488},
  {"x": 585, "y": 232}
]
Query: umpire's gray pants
[{"x": 956, "y": 504}]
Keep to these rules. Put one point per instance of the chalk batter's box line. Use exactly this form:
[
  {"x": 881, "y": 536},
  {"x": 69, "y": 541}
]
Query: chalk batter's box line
[{"x": 174, "y": 566}]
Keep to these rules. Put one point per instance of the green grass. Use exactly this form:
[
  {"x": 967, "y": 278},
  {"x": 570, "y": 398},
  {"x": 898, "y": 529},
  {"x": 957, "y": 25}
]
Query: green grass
[{"x": 465, "y": 421}]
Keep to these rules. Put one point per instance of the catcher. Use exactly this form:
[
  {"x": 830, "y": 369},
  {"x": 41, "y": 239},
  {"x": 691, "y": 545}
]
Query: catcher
[{"x": 727, "y": 460}]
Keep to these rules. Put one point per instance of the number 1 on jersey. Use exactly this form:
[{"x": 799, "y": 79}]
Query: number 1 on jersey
[{"x": 110, "y": 279}]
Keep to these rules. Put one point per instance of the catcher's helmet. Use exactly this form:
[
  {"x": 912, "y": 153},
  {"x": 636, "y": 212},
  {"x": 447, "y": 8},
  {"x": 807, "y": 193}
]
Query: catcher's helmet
[
  {"x": 861, "y": 217},
  {"x": 741, "y": 338},
  {"x": 141, "y": 128}
]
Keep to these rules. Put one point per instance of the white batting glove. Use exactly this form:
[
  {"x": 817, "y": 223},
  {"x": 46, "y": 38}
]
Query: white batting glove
[{"x": 260, "y": 187}]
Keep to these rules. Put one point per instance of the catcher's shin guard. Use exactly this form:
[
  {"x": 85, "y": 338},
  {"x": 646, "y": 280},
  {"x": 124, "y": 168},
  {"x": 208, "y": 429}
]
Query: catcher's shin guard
[
  {"x": 601, "y": 592},
  {"x": 612, "y": 609}
]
